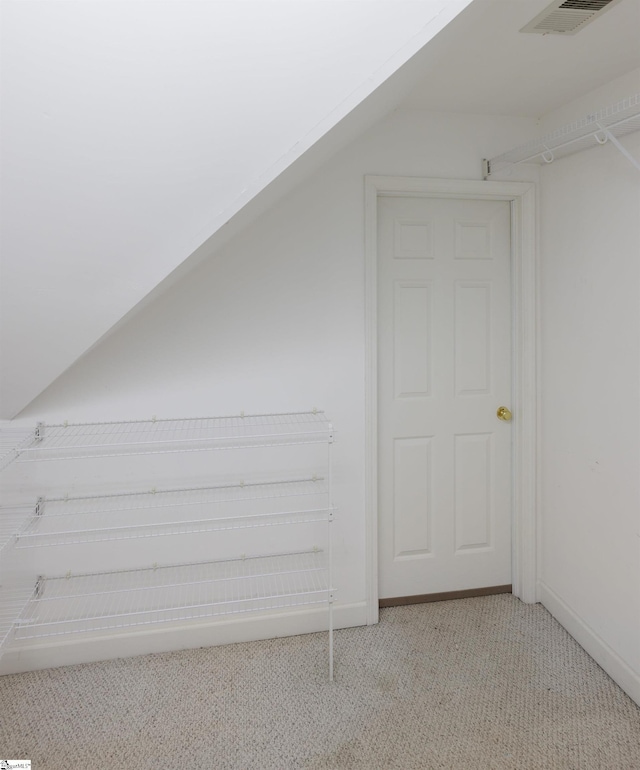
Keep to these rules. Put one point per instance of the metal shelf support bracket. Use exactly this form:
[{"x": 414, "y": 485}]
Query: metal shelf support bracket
[{"x": 615, "y": 142}]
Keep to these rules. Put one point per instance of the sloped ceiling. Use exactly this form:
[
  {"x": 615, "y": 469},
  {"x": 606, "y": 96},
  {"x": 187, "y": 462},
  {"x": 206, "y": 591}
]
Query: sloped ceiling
[
  {"x": 133, "y": 130},
  {"x": 492, "y": 68}
]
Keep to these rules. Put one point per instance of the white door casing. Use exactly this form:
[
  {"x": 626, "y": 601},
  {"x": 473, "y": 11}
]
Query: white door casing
[
  {"x": 521, "y": 197},
  {"x": 444, "y": 366}
]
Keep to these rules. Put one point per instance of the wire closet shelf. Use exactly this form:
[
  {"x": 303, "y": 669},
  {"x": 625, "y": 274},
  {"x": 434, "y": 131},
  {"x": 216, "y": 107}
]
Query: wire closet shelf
[
  {"x": 606, "y": 125},
  {"x": 71, "y": 520},
  {"x": 69, "y": 604},
  {"x": 108, "y": 439}
]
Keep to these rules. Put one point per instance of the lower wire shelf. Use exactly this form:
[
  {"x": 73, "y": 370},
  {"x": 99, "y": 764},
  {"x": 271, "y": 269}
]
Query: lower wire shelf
[{"x": 115, "y": 600}]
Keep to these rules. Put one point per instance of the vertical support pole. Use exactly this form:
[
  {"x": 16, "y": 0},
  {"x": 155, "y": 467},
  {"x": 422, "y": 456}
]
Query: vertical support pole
[{"x": 329, "y": 549}]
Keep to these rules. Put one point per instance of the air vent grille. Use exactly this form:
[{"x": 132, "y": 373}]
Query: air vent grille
[
  {"x": 585, "y": 5},
  {"x": 566, "y": 17},
  {"x": 562, "y": 22}
]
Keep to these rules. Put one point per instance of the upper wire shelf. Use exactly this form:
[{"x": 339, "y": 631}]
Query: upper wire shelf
[
  {"x": 109, "y": 439},
  {"x": 113, "y": 600},
  {"x": 597, "y": 128},
  {"x": 63, "y": 521}
]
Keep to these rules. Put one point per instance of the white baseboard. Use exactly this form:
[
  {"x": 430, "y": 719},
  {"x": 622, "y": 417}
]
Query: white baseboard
[
  {"x": 600, "y": 651},
  {"x": 66, "y": 651}
]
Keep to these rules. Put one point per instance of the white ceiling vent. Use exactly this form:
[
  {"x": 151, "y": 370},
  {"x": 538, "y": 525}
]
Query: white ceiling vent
[{"x": 566, "y": 17}]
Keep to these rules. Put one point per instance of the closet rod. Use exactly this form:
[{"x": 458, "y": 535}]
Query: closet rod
[{"x": 607, "y": 125}]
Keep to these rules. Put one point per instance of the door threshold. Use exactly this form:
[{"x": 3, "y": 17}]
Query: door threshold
[{"x": 445, "y": 596}]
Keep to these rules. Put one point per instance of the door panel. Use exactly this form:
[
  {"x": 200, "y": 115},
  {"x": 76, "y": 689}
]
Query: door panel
[
  {"x": 412, "y": 507},
  {"x": 412, "y": 339},
  {"x": 444, "y": 349}
]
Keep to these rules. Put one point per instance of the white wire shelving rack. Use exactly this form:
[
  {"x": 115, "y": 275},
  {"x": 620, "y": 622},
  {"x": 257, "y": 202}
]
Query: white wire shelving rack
[
  {"x": 118, "y": 599},
  {"x": 606, "y": 125}
]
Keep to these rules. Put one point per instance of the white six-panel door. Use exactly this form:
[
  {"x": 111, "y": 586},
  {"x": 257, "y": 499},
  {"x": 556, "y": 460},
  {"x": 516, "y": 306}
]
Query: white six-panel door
[{"x": 444, "y": 368}]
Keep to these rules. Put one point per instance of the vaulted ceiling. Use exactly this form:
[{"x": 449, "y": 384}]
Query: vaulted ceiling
[
  {"x": 134, "y": 130},
  {"x": 138, "y": 135}
]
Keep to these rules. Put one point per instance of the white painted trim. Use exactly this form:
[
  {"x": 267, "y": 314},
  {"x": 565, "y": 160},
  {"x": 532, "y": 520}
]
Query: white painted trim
[
  {"x": 593, "y": 644},
  {"x": 371, "y": 398},
  {"x": 524, "y": 269},
  {"x": 525, "y": 395},
  {"x": 166, "y": 638}
]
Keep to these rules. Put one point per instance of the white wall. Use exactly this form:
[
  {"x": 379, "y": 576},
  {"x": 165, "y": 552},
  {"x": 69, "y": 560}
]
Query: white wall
[
  {"x": 590, "y": 394},
  {"x": 275, "y": 320},
  {"x": 133, "y": 131}
]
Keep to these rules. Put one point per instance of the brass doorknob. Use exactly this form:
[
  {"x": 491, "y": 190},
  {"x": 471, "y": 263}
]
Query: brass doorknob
[{"x": 503, "y": 414}]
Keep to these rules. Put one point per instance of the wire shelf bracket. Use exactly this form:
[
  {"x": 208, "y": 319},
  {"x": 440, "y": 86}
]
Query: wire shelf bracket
[{"x": 607, "y": 125}]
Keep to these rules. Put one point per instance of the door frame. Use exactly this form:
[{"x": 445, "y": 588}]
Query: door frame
[{"x": 522, "y": 198}]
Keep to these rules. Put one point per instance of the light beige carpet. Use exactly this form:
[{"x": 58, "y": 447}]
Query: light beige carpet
[{"x": 486, "y": 684}]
